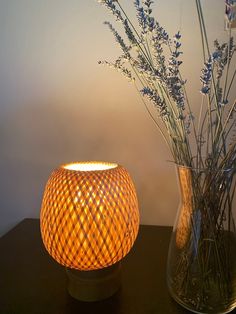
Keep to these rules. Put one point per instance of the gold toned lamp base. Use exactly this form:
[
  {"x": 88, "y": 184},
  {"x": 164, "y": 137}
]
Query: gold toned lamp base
[{"x": 94, "y": 285}]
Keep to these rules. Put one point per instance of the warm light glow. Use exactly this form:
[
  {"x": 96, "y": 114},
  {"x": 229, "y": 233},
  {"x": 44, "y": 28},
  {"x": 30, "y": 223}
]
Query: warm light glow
[
  {"x": 89, "y": 219},
  {"x": 90, "y": 166}
]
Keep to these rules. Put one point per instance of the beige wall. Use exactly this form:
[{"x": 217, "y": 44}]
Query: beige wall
[{"x": 58, "y": 105}]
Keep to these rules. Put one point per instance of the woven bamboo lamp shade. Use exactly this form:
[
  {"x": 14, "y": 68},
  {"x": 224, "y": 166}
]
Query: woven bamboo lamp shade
[{"x": 89, "y": 221}]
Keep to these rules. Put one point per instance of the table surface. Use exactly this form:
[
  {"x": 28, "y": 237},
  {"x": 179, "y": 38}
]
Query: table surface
[{"x": 31, "y": 282}]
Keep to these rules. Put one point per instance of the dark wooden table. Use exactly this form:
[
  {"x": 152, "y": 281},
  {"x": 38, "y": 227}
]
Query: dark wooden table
[{"x": 31, "y": 282}]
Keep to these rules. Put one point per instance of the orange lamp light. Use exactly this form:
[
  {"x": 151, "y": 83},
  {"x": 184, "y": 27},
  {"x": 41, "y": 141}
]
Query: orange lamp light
[{"x": 89, "y": 221}]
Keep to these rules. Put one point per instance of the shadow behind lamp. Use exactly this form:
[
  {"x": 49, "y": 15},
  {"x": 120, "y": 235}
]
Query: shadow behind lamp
[{"x": 89, "y": 221}]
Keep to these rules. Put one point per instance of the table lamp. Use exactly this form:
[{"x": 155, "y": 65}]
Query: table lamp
[{"x": 89, "y": 221}]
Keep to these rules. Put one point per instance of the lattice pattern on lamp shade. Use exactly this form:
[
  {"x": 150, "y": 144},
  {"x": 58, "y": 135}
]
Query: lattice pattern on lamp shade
[{"x": 89, "y": 218}]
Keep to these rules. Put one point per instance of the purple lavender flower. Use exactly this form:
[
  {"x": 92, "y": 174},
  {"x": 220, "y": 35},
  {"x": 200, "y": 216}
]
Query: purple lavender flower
[
  {"x": 129, "y": 33},
  {"x": 187, "y": 120},
  {"x": 148, "y": 3},
  {"x": 146, "y": 22},
  {"x": 141, "y": 16},
  {"x": 173, "y": 82},
  {"x": 221, "y": 55},
  {"x": 119, "y": 39},
  {"x": 206, "y": 76},
  {"x": 112, "y": 8},
  {"x": 177, "y": 36},
  {"x": 156, "y": 100}
]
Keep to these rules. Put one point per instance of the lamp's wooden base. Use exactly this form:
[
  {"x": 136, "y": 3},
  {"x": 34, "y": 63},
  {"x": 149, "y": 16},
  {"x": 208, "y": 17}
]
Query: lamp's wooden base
[{"x": 94, "y": 285}]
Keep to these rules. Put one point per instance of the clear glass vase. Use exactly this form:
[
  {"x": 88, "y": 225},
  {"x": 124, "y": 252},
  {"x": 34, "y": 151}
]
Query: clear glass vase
[{"x": 201, "y": 267}]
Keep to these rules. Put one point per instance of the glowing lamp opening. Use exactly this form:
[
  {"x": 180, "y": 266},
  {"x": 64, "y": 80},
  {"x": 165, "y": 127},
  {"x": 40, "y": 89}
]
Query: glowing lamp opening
[{"x": 90, "y": 166}]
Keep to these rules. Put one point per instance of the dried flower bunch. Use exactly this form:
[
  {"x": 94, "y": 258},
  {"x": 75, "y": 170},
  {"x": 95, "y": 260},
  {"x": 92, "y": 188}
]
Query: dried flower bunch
[
  {"x": 151, "y": 59},
  {"x": 201, "y": 262},
  {"x": 201, "y": 268}
]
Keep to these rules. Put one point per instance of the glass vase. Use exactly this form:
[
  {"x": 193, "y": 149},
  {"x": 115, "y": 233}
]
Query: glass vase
[{"x": 201, "y": 267}]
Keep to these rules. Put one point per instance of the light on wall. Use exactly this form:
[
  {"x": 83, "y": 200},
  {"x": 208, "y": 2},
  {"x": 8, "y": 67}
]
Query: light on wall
[{"x": 89, "y": 221}]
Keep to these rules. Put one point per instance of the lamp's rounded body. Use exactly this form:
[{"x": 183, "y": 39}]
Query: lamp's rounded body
[{"x": 89, "y": 216}]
